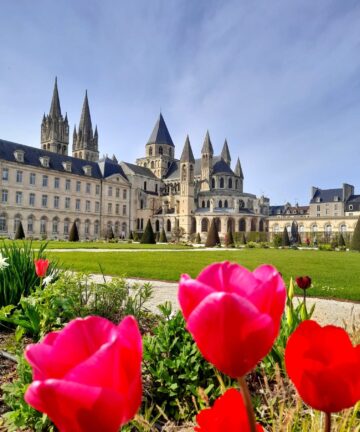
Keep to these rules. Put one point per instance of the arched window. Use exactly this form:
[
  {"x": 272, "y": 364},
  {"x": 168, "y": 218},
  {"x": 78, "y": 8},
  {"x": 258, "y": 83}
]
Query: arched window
[
  {"x": 343, "y": 228},
  {"x": 145, "y": 185},
  {"x": 17, "y": 220},
  {"x": 43, "y": 226},
  {"x": 87, "y": 227},
  {"x": 261, "y": 225},
  {"x": 220, "y": 204},
  {"x": 203, "y": 204},
  {"x": 231, "y": 225},
  {"x": 208, "y": 203},
  {"x": 328, "y": 229},
  {"x": 117, "y": 228},
  {"x": 314, "y": 228},
  {"x": 141, "y": 224},
  {"x": 253, "y": 225},
  {"x": 230, "y": 183},
  {"x": 226, "y": 204},
  {"x": 137, "y": 224},
  {"x": 96, "y": 227},
  {"x": 3, "y": 222},
  {"x": 30, "y": 224},
  {"x": 218, "y": 224},
  {"x": 66, "y": 226},
  {"x": 191, "y": 173},
  {"x": 236, "y": 184},
  {"x": 55, "y": 226},
  {"x": 160, "y": 150},
  {"x": 276, "y": 228},
  {"x": 204, "y": 225},
  {"x": 150, "y": 151},
  {"x": 141, "y": 204},
  {"x": 242, "y": 225},
  {"x": 183, "y": 173},
  {"x": 241, "y": 204},
  {"x": 168, "y": 225},
  {"x": 152, "y": 164},
  {"x": 213, "y": 183},
  {"x": 123, "y": 230},
  {"x": 221, "y": 183},
  {"x": 157, "y": 226}
]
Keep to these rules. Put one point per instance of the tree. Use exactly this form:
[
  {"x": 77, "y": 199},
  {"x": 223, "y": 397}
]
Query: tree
[
  {"x": 177, "y": 233},
  {"x": 148, "y": 236},
  {"x": 19, "y": 234},
  {"x": 355, "y": 241},
  {"x": 229, "y": 239},
  {"x": 198, "y": 238},
  {"x": 294, "y": 232},
  {"x": 213, "y": 238},
  {"x": 109, "y": 233},
  {"x": 285, "y": 238},
  {"x": 135, "y": 236},
  {"x": 341, "y": 241},
  {"x": 74, "y": 234},
  {"x": 163, "y": 238},
  {"x": 157, "y": 236},
  {"x": 244, "y": 241}
]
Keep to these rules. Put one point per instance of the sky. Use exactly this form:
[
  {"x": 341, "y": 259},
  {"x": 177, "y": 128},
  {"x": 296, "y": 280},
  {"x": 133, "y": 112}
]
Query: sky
[{"x": 279, "y": 79}]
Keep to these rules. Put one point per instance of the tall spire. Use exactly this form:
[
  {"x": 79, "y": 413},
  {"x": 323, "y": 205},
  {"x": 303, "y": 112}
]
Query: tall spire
[
  {"x": 160, "y": 133},
  {"x": 207, "y": 146},
  {"x": 238, "y": 170},
  {"x": 85, "y": 119},
  {"x": 187, "y": 154},
  {"x": 55, "y": 110},
  {"x": 225, "y": 153}
]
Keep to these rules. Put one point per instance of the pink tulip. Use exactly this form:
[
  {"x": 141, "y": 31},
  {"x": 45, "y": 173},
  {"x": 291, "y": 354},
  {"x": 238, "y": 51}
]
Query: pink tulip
[
  {"x": 233, "y": 314},
  {"x": 87, "y": 377},
  {"x": 41, "y": 266}
]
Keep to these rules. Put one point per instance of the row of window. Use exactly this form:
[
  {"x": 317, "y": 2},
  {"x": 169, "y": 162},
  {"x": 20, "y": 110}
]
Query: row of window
[
  {"x": 222, "y": 183},
  {"x": 314, "y": 228}
]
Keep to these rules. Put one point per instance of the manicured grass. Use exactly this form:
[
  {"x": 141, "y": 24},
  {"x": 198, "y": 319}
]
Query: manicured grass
[
  {"x": 334, "y": 274},
  {"x": 98, "y": 245}
]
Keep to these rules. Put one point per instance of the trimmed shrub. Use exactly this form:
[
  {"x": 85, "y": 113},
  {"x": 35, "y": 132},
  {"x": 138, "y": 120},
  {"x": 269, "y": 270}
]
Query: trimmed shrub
[
  {"x": 229, "y": 239},
  {"x": 135, "y": 236},
  {"x": 131, "y": 236},
  {"x": 244, "y": 241},
  {"x": 74, "y": 233},
  {"x": 19, "y": 235},
  {"x": 110, "y": 233},
  {"x": 341, "y": 240},
  {"x": 355, "y": 241},
  {"x": 163, "y": 238},
  {"x": 213, "y": 238},
  {"x": 277, "y": 240},
  {"x": 157, "y": 237},
  {"x": 285, "y": 238},
  {"x": 148, "y": 236},
  {"x": 198, "y": 238}
]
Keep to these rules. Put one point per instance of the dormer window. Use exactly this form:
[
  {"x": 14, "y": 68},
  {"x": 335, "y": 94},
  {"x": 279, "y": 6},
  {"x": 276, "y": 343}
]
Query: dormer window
[
  {"x": 45, "y": 161},
  {"x": 19, "y": 155},
  {"x": 87, "y": 170},
  {"x": 67, "y": 166},
  {"x": 318, "y": 199},
  {"x": 336, "y": 198}
]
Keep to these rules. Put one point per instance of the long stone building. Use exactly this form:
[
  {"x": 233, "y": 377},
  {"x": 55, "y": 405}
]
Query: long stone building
[{"x": 47, "y": 189}]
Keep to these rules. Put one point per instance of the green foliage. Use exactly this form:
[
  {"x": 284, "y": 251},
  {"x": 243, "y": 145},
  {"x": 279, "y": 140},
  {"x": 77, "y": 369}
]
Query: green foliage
[
  {"x": 21, "y": 416},
  {"x": 176, "y": 370},
  {"x": 148, "y": 235},
  {"x": 277, "y": 240},
  {"x": 74, "y": 233},
  {"x": 252, "y": 245},
  {"x": 74, "y": 296},
  {"x": 163, "y": 238},
  {"x": 136, "y": 236},
  {"x": 131, "y": 237},
  {"x": 326, "y": 247},
  {"x": 285, "y": 238},
  {"x": 110, "y": 233},
  {"x": 355, "y": 241},
  {"x": 213, "y": 238},
  {"x": 229, "y": 239},
  {"x": 19, "y": 277},
  {"x": 19, "y": 234},
  {"x": 198, "y": 238},
  {"x": 178, "y": 233},
  {"x": 341, "y": 241}
]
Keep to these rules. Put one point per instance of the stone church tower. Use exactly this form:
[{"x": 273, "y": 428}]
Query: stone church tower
[
  {"x": 85, "y": 141},
  {"x": 54, "y": 128},
  {"x": 207, "y": 153},
  {"x": 187, "y": 203}
]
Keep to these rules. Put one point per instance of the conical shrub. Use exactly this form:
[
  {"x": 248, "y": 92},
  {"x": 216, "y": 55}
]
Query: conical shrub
[
  {"x": 229, "y": 239},
  {"x": 355, "y": 241},
  {"x": 19, "y": 234},
  {"x": 148, "y": 235},
  {"x": 244, "y": 241},
  {"x": 109, "y": 233},
  {"x": 198, "y": 238},
  {"x": 285, "y": 238},
  {"x": 131, "y": 236},
  {"x": 341, "y": 241},
  {"x": 74, "y": 233},
  {"x": 163, "y": 238},
  {"x": 213, "y": 238}
]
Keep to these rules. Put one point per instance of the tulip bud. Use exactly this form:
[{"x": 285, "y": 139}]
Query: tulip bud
[
  {"x": 303, "y": 282},
  {"x": 290, "y": 292}
]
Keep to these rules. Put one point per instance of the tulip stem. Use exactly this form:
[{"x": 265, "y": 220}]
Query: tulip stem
[
  {"x": 248, "y": 405},
  {"x": 327, "y": 422}
]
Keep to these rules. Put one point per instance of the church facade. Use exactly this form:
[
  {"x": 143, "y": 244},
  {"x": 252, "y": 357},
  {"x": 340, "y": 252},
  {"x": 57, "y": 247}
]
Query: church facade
[{"x": 47, "y": 189}]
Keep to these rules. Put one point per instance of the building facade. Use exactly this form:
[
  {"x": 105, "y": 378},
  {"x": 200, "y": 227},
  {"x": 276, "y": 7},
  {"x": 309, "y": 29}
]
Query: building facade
[{"x": 47, "y": 189}]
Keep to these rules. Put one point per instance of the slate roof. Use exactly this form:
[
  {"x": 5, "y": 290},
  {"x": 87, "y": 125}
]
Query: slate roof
[
  {"x": 353, "y": 198},
  {"x": 55, "y": 110},
  {"x": 32, "y": 155},
  {"x": 221, "y": 167},
  {"x": 187, "y": 153},
  {"x": 225, "y": 153},
  {"x": 207, "y": 146},
  {"x": 327, "y": 195},
  {"x": 136, "y": 169},
  {"x": 160, "y": 133}
]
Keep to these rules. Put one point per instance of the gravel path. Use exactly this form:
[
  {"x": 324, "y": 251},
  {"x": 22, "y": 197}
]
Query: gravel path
[{"x": 340, "y": 313}]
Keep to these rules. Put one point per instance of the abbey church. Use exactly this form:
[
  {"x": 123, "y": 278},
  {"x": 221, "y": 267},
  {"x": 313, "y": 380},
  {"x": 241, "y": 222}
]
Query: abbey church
[{"x": 48, "y": 190}]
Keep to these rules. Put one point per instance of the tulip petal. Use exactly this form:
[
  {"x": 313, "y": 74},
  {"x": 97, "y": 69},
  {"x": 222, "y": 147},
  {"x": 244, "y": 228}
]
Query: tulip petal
[
  {"x": 75, "y": 407},
  {"x": 191, "y": 293},
  {"x": 224, "y": 326}
]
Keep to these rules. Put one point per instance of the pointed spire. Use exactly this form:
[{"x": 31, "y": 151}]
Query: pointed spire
[
  {"x": 238, "y": 170},
  {"x": 207, "y": 146},
  {"x": 55, "y": 110},
  {"x": 187, "y": 154},
  {"x": 160, "y": 133},
  {"x": 85, "y": 119},
  {"x": 96, "y": 132},
  {"x": 225, "y": 153},
  {"x": 74, "y": 133}
]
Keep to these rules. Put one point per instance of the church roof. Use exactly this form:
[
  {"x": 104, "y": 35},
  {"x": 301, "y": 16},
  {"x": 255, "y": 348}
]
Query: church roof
[
  {"x": 85, "y": 119},
  {"x": 327, "y": 195},
  {"x": 238, "y": 170},
  {"x": 221, "y": 167},
  {"x": 207, "y": 146},
  {"x": 225, "y": 153},
  {"x": 137, "y": 169},
  {"x": 109, "y": 167},
  {"x": 55, "y": 110},
  {"x": 187, "y": 154},
  {"x": 160, "y": 133}
]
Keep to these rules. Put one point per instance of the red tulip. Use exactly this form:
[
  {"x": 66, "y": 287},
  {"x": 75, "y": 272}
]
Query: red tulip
[
  {"x": 87, "y": 377},
  {"x": 41, "y": 266},
  {"x": 233, "y": 314},
  {"x": 228, "y": 414},
  {"x": 324, "y": 366},
  {"x": 303, "y": 282}
]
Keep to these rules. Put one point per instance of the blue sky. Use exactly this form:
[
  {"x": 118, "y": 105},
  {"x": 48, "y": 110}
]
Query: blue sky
[{"x": 279, "y": 79}]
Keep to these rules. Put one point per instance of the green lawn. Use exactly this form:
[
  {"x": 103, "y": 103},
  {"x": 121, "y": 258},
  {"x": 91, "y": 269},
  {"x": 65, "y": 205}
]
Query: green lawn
[
  {"x": 98, "y": 245},
  {"x": 334, "y": 274}
]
